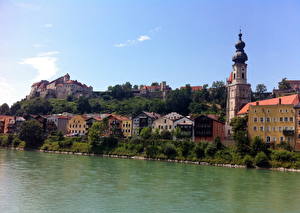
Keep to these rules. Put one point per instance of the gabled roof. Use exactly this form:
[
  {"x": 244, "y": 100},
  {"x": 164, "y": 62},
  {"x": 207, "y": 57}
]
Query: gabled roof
[
  {"x": 152, "y": 115},
  {"x": 290, "y": 99},
  {"x": 173, "y": 116}
]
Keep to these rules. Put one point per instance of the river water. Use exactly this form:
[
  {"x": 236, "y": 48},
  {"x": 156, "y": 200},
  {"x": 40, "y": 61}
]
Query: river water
[{"x": 43, "y": 182}]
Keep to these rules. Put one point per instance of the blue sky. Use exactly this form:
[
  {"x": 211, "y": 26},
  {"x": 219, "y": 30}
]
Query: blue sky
[{"x": 108, "y": 42}]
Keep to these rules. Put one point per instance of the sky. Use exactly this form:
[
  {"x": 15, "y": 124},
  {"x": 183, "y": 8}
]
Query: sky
[{"x": 108, "y": 42}]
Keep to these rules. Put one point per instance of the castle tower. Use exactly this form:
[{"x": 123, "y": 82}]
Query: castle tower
[{"x": 238, "y": 90}]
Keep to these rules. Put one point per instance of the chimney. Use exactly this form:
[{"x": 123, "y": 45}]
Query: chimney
[
  {"x": 257, "y": 103},
  {"x": 279, "y": 101}
]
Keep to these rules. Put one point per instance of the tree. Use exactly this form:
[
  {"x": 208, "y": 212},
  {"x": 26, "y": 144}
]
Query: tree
[
  {"x": 165, "y": 134},
  {"x": 283, "y": 84},
  {"x": 146, "y": 133},
  {"x": 218, "y": 93},
  {"x": 15, "y": 109},
  {"x": 32, "y": 133},
  {"x": 38, "y": 106},
  {"x": 260, "y": 90},
  {"x": 179, "y": 100},
  {"x": 155, "y": 84},
  {"x": 4, "y": 109},
  {"x": 239, "y": 128},
  {"x": 83, "y": 105},
  {"x": 258, "y": 146}
]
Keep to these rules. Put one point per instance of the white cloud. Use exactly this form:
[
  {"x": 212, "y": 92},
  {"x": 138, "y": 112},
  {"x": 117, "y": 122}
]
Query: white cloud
[
  {"x": 139, "y": 39},
  {"x": 143, "y": 38},
  {"x": 44, "y": 63},
  {"x": 8, "y": 93},
  {"x": 48, "y": 25}
]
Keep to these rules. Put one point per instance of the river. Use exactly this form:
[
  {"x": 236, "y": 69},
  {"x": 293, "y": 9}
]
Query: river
[{"x": 44, "y": 182}]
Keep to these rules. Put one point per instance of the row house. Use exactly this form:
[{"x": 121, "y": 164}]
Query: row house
[
  {"x": 60, "y": 121},
  {"x": 79, "y": 124},
  {"x": 274, "y": 120},
  {"x": 208, "y": 128},
  {"x": 172, "y": 121},
  {"x": 118, "y": 125},
  {"x": 10, "y": 124},
  {"x": 142, "y": 120}
]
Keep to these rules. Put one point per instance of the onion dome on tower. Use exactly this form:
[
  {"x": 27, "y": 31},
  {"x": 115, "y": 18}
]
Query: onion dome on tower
[{"x": 240, "y": 56}]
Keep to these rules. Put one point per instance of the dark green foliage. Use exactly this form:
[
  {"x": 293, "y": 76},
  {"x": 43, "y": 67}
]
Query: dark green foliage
[
  {"x": 146, "y": 133},
  {"x": 165, "y": 134},
  {"x": 187, "y": 148},
  {"x": 285, "y": 146},
  {"x": 32, "y": 133},
  {"x": 179, "y": 100},
  {"x": 211, "y": 150},
  {"x": 151, "y": 151},
  {"x": 170, "y": 150},
  {"x": 248, "y": 161},
  {"x": 258, "y": 146},
  {"x": 83, "y": 105},
  {"x": 4, "y": 109},
  {"x": 218, "y": 143},
  {"x": 37, "y": 106},
  {"x": 261, "y": 160},
  {"x": 283, "y": 156},
  {"x": 200, "y": 150},
  {"x": 284, "y": 85}
]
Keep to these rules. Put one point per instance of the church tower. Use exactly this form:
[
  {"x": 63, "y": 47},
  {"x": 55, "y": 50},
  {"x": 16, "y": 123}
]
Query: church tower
[{"x": 238, "y": 90}]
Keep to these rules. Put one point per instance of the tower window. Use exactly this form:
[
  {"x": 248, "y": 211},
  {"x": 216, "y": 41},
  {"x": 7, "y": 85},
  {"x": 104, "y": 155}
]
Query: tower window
[
  {"x": 243, "y": 75},
  {"x": 234, "y": 76}
]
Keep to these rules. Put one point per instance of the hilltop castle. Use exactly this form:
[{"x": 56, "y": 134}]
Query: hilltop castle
[{"x": 59, "y": 88}]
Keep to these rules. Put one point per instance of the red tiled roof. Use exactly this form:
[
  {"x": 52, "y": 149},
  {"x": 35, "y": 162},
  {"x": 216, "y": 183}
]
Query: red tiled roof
[
  {"x": 194, "y": 88},
  {"x": 229, "y": 80},
  {"x": 290, "y": 99}
]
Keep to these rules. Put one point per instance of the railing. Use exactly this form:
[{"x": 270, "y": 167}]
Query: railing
[{"x": 288, "y": 132}]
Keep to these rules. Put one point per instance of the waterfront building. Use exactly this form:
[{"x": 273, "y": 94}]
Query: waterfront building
[
  {"x": 297, "y": 127},
  {"x": 126, "y": 126},
  {"x": 173, "y": 120},
  {"x": 142, "y": 120},
  {"x": 60, "y": 121},
  {"x": 79, "y": 124},
  {"x": 119, "y": 126},
  {"x": 272, "y": 120},
  {"x": 208, "y": 128},
  {"x": 238, "y": 90},
  {"x": 10, "y": 124}
]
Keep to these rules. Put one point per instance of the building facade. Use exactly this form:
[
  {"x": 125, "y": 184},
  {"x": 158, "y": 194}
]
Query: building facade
[
  {"x": 208, "y": 129},
  {"x": 238, "y": 90},
  {"x": 297, "y": 127},
  {"x": 60, "y": 121},
  {"x": 60, "y": 88},
  {"x": 79, "y": 124},
  {"x": 272, "y": 123},
  {"x": 142, "y": 120}
]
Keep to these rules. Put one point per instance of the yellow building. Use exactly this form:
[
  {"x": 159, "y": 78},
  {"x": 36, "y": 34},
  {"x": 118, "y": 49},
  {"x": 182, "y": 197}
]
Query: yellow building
[
  {"x": 297, "y": 128},
  {"x": 272, "y": 123},
  {"x": 126, "y": 127},
  {"x": 79, "y": 124}
]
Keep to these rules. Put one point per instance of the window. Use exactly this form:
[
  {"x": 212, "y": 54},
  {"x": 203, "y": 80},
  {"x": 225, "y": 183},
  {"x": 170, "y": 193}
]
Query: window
[
  {"x": 274, "y": 129},
  {"x": 299, "y": 112},
  {"x": 281, "y": 139},
  {"x": 255, "y": 119},
  {"x": 234, "y": 76},
  {"x": 170, "y": 127},
  {"x": 268, "y": 119},
  {"x": 243, "y": 75},
  {"x": 286, "y": 110},
  {"x": 291, "y": 119},
  {"x": 268, "y": 139},
  {"x": 280, "y": 129},
  {"x": 274, "y": 119},
  {"x": 299, "y": 123},
  {"x": 262, "y": 128},
  {"x": 255, "y": 128},
  {"x": 286, "y": 119},
  {"x": 274, "y": 139},
  {"x": 280, "y": 110},
  {"x": 261, "y": 119},
  {"x": 281, "y": 119},
  {"x": 299, "y": 136}
]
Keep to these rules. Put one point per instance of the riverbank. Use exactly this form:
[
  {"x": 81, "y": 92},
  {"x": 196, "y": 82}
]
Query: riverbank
[{"x": 203, "y": 163}]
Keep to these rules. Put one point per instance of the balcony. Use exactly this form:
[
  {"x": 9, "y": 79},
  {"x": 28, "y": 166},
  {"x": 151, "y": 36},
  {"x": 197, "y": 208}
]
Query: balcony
[{"x": 288, "y": 132}]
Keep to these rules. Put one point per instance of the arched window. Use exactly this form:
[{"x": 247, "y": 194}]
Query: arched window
[
  {"x": 234, "y": 76},
  {"x": 243, "y": 75}
]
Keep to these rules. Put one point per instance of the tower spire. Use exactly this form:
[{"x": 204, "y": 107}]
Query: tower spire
[{"x": 240, "y": 56}]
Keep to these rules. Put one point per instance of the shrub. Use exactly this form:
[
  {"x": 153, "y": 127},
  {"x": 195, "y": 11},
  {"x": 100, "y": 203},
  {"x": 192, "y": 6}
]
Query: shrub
[
  {"x": 151, "y": 151},
  {"x": 170, "y": 150},
  {"x": 186, "y": 148},
  {"x": 248, "y": 161},
  {"x": 165, "y": 134},
  {"x": 224, "y": 156},
  {"x": 146, "y": 133},
  {"x": 211, "y": 150},
  {"x": 261, "y": 160},
  {"x": 285, "y": 146},
  {"x": 218, "y": 143},
  {"x": 81, "y": 147},
  {"x": 200, "y": 151},
  {"x": 16, "y": 142},
  {"x": 283, "y": 156},
  {"x": 258, "y": 146}
]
